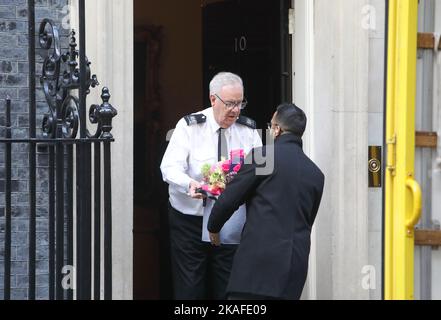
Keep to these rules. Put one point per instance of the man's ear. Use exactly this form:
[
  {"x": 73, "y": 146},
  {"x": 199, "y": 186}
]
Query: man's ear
[{"x": 212, "y": 100}]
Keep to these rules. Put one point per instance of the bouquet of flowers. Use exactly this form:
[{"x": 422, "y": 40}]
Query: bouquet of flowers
[{"x": 216, "y": 177}]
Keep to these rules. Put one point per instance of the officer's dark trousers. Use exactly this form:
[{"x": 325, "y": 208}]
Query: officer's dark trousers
[{"x": 200, "y": 270}]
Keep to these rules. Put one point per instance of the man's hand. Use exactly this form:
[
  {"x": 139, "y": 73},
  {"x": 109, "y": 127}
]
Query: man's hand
[
  {"x": 215, "y": 239},
  {"x": 194, "y": 185}
]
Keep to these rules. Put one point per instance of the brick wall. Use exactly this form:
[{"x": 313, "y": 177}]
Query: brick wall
[{"x": 14, "y": 82}]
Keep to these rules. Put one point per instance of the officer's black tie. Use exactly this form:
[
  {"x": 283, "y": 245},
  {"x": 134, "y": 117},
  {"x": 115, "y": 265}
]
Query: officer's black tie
[{"x": 222, "y": 148}]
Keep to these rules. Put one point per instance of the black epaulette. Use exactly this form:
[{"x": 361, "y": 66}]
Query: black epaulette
[
  {"x": 247, "y": 122},
  {"x": 195, "y": 119}
]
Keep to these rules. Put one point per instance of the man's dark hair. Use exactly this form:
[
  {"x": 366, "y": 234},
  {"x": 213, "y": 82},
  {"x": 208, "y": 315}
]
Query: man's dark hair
[{"x": 291, "y": 119}]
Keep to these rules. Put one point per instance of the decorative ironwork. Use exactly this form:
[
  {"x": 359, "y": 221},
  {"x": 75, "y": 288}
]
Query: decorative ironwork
[
  {"x": 57, "y": 87},
  {"x": 103, "y": 115},
  {"x": 70, "y": 162}
]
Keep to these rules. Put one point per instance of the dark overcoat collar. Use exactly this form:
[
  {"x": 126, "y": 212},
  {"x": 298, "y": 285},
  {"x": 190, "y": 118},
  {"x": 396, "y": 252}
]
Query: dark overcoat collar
[{"x": 289, "y": 138}]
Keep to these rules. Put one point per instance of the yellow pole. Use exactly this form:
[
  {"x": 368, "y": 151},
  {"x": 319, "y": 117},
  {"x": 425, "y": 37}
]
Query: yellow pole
[{"x": 403, "y": 194}]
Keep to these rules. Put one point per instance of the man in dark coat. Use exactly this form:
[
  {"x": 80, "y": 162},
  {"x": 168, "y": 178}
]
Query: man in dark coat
[{"x": 272, "y": 259}]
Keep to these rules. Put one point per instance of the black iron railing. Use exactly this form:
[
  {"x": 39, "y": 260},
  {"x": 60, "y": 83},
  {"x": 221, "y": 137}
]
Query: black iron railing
[{"x": 69, "y": 144}]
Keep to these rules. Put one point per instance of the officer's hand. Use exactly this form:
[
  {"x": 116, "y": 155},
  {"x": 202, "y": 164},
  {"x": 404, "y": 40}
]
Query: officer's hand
[
  {"x": 194, "y": 185},
  {"x": 215, "y": 239}
]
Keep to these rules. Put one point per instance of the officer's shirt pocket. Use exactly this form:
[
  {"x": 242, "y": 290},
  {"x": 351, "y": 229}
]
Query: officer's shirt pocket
[{"x": 198, "y": 158}]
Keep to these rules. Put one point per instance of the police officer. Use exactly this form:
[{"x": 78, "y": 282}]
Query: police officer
[{"x": 200, "y": 270}]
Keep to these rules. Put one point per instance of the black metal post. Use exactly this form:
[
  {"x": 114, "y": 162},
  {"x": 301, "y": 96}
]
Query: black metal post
[
  {"x": 8, "y": 216},
  {"x": 84, "y": 171},
  {"x": 79, "y": 261},
  {"x": 97, "y": 221},
  {"x": 86, "y": 224},
  {"x": 107, "y": 223},
  {"x": 78, "y": 265},
  {"x": 84, "y": 236},
  {"x": 70, "y": 223},
  {"x": 32, "y": 150},
  {"x": 52, "y": 222},
  {"x": 83, "y": 69},
  {"x": 59, "y": 219}
]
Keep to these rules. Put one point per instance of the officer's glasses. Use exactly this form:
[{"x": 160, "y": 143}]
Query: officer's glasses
[
  {"x": 231, "y": 105},
  {"x": 271, "y": 125}
]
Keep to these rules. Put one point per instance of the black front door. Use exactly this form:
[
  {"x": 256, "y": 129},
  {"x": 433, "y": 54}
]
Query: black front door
[{"x": 250, "y": 38}]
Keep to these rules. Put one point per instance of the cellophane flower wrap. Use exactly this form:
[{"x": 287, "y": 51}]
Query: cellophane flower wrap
[{"x": 216, "y": 177}]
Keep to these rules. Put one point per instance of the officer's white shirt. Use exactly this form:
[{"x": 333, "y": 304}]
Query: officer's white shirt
[{"x": 192, "y": 146}]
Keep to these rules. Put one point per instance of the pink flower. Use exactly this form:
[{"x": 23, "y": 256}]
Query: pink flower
[
  {"x": 226, "y": 166},
  {"x": 239, "y": 153},
  {"x": 237, "y": 168},
  {"x": 215, "y": 191}
]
